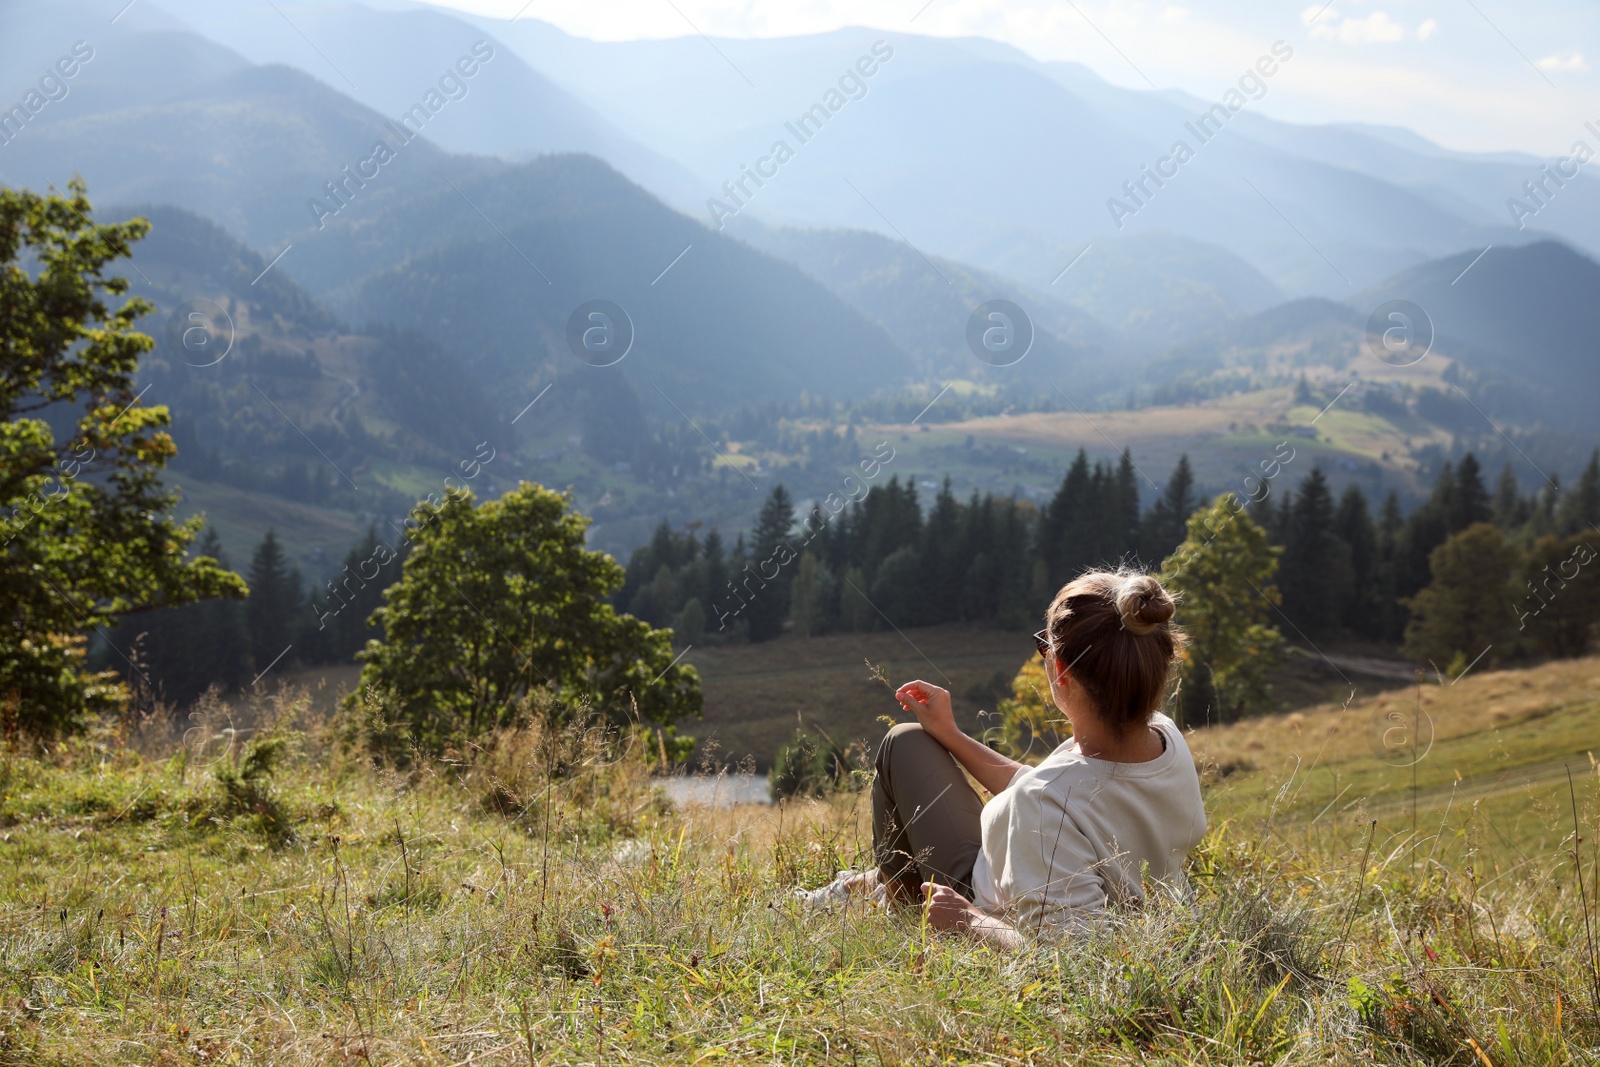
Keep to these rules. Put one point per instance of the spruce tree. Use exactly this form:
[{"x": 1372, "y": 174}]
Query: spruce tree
[
  {"x": 1580, "y": 509},
  {"x": 188, "y": 649},
  {"x": 1425, "y": 530},
  {"x": 942, "y": 566},
  {"x": 1066, "y": 540},
  {"x": 1510, "y": 509},
  {"x": 1470, "y": 503},
  {"x": 334, "y": 628},
  {"x": 273, "y": 610},
  {"x": 1361, "y": 607},
  {"x": 1390, "y": 525},
  {"x": 1014, "y": 569},
  {"x": 1164, "y": 524},
  {"x": 1121, "y": 536},
  {"x": 773, "y": 555},
  {"x": 715, "y": 591},
  {"x": 1315, "y": 571}
]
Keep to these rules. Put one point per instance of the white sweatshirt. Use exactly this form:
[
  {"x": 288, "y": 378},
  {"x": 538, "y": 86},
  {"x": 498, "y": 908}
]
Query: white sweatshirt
[{"x": 1073, "y": 834}]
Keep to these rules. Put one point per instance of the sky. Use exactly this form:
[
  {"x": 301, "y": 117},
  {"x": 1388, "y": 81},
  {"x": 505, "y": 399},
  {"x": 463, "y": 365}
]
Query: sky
[{"x": 1473, "y": 75}]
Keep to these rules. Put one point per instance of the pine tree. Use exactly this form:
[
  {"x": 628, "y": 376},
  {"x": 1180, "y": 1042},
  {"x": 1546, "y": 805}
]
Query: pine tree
[
  {"x": 1121, "y": 513},
  {"x": 1066, "y": 538},
  {"x": 335, "y": 627},
  {"x": 1425, "y": 530},
  {"x": 976, "y": 600},
  {"x": 1014, "y": 570},
  {"x": 1510, "y": 509},
  {"x": 1390, "y": 525},
  {"x": 1163, "y": 525},
  {"x": 715, "y": 589},
  {"x": 1580, "y": 509},
  {"x": 773, "y": 555},
  {"x": 1315, "y": 571},
  {"x": 1361, "y": 610},
  {"x": 942, "y": 566},
  {"x": 191, "y": 648},
  {"x": 1471, "y": 502},
  {"x": 273, "y": 610}
]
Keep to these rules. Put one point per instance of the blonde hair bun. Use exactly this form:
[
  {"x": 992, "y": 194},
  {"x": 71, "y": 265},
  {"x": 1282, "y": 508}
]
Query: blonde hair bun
[{"x": 1143, "y": 604}]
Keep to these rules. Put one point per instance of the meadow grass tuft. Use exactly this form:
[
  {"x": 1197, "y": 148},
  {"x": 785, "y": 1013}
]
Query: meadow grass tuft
[{"x": 252, "y": 894}]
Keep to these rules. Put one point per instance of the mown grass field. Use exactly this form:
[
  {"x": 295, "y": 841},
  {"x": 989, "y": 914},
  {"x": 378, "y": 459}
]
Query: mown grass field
[{"x": 160, "y": 905}]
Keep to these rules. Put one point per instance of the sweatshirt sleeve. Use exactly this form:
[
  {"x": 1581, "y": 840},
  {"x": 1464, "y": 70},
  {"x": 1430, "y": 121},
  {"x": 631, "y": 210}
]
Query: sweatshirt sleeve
[{"x": 1051, "y": 877}]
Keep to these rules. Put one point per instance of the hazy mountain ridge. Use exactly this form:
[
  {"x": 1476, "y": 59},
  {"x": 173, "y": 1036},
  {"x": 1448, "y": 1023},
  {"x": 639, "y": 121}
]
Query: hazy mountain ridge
[
  {"x": 1429, "y": 201},
  {"x": 468, "y": 266}
]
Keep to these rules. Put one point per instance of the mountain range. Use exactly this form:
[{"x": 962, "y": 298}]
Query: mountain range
[{"x": 424, "y": 199}]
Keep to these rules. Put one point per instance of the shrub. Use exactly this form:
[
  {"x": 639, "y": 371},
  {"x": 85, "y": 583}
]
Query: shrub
[
  {"x": 500, "y": 608},
  {"x": 1030, "y": 723},
  {"x": 815, "y": 764}
]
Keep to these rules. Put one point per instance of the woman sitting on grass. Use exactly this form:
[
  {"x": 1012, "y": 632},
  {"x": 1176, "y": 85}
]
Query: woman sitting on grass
[{"x": 1115, "y": 806}]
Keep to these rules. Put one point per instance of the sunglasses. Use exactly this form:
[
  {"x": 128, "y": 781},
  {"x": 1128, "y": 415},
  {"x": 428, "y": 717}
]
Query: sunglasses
[{"x": 1041, "y": 641}]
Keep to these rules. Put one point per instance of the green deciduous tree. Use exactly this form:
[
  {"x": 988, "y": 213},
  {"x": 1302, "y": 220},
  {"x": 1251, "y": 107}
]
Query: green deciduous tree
[
  {"x": 1031, "y": 726},
  {"x": 1558, "y": 603},
  {"x": 1466, "y": 611},
  {"x": 501, "y": 602},
  {"x": 87, "y": 527},
  {"x": 1223, "y": 574},
  {"x": 811, "y": 593}
]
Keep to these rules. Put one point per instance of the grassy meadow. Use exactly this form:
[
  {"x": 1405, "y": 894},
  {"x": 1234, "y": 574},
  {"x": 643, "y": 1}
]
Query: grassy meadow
[{"x": 247, "y": 893}]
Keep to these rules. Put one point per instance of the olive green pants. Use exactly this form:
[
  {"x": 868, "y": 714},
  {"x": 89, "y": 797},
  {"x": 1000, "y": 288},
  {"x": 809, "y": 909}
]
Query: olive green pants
[{"x": 924, "y": 815}]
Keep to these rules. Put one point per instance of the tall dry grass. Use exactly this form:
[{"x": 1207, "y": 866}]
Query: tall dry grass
[{"x": 537, "y": 900}]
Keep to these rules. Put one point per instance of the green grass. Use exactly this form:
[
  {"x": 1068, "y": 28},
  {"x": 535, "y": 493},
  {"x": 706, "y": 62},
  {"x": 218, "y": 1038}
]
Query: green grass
[
  {"x": 1492, "y": 782},
  {"x": 476, "y": 910}
]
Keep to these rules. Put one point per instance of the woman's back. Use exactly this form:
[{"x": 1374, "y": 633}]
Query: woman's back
[{"x": 1074, "y": 834}]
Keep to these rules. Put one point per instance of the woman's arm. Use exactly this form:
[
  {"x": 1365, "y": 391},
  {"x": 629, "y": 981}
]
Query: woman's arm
[
  {"x": 931, "y": 706},
  {"x": 949, "y": 910}
]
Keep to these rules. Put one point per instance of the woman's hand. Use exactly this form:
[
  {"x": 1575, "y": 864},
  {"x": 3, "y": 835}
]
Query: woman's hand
[
  {"x": 946, "y": 909},
  {"x": 950, "y": 911},
  {"x": 931, "y": 706}
]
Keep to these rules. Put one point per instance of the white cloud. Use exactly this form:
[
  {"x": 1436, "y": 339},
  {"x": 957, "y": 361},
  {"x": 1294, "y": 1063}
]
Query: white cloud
[
  {"x": 1376, "y": 28},
  {"x": 1425, "y": 30},
  {"x": 1570, "y": 62}
]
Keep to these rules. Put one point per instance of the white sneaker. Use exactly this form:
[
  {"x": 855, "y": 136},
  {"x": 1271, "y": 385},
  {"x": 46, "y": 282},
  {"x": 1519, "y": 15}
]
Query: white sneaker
[{"x": 830, "y": 896}]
